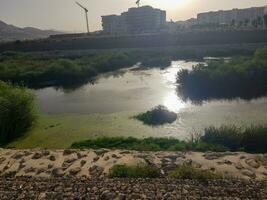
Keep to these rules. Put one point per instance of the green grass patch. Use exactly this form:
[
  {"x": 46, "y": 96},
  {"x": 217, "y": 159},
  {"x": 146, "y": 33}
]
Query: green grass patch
[
  {"x": 225, "y": 138},
  {"x": 123, "y": 171},
  {"x": 157, "y": 116},
  {"x": 186, "y": 171},
  {"x": 146, "y": 144}
]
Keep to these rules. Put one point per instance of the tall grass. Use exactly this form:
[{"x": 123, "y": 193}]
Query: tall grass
[
  {"x": 17, "y": 112},
  {"x": 225, "y": 138}
]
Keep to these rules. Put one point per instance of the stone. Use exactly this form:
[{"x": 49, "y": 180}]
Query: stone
[
  {"x": 115, "y": 156},
  {"x": 106, "y": 158},
  {"x": 171, "y": 157},
  {"x": 30, "y": 170},
  {"x": 212, "y": 156},
  {"x": 79, "y": 155},
  {"x": 252, "y": 163},
  {"x": 100, "y": 152},
  {"x": 52, "y": 158},
  {"x": 83, "y": 162},
  {"x": 68, "y": 162},
  {"x": 249, "y": 173},
  {"x": 2, "y": 159},
  {"x": 39, "y": 171},
  {"x": 239, "y": 166},
  {"x": 106, "y": 195},
  {"x": 17, "y": 155},
  {"x": 95, "y": 159},
  {"x": 37, "y": 155},
  {"x": 96, "y": 171},
  {"x": 68, "y": 152},
  {"x": 74, "y": 171},
  {"x": 49, "y": 166},
  {"x": 57, "y": 172}
]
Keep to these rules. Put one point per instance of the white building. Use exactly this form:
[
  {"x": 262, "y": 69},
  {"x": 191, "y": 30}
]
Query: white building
[
  {"x": 143, "y": 19},
  {"x": 235, "y": 16}
]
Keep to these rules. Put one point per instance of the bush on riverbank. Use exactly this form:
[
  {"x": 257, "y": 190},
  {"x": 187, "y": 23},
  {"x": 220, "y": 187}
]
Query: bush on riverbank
[
  {"x": 240, "y": 77},
  {"x": 123, "y": 171},
  {"x": 225, "y": 138},
  {"x": 186, "y": 171},
  {"x": 250, "y": 139},
  {"x": 41, "y": 70},
  {"x": 17, "y": 112},
  {"x": 157, "y": 116}
]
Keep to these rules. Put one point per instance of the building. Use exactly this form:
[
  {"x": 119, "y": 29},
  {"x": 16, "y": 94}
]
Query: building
[
  {"x": 143, "y": 19},
  {"x": 233, "y": 17}
]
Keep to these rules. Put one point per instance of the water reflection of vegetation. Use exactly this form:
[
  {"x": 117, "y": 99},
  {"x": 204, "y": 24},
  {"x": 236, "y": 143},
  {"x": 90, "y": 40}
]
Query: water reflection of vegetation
[{"x": 243, "y": 77}]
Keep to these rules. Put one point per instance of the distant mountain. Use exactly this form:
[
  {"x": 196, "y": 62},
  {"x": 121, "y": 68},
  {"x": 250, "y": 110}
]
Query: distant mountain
[{"x": 10, "y": 32}]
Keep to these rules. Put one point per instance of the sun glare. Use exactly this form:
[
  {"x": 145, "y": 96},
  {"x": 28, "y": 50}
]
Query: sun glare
[
  {"x": 173, "y": 103},
  {"x": 171, "y": 4}
]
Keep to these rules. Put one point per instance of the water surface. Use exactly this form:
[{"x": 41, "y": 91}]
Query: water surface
[{"x": 140, "y": 90}]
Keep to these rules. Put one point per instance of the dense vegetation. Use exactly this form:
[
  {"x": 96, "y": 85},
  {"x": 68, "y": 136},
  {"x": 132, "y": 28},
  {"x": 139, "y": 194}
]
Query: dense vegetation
[
  {"x": 17, "y": 112},
  {"x": 41, "y": 70},
  {"x": 71, "y": 69},
  {"x": 157, "y": 116},
  {"x": 225, "y": 138},
  {"x": 243, "y": 77},
  {"x": 251, "y": 139},
  {"x": 186, "y": 171},
  {"x": 123, "y": 171}
]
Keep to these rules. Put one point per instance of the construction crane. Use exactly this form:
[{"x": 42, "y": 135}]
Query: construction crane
[
  {"x": 86, "y": 15},
  {"x": 138, "y": 3}
]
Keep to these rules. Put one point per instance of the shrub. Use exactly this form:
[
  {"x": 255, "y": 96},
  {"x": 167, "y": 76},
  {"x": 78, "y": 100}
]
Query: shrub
[
  {"x": 123, "y": 171},
  {"x": 157, "y": 116},
  {"x": 255, "y": 139},
  {"x": 243, "y": 77},
  {"x": 186, "y": 171},
  {"x": 17, "y": 112},
  {"x": 228, "y": 136}
]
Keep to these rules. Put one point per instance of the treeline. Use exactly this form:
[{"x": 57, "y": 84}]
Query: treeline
[
  {"x": 243, "y": 77},
  {"x": 17, "y": 112}
]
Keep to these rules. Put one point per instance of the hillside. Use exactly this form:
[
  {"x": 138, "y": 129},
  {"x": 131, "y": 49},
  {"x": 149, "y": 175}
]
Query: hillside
[{"x": 10, "y": 32}]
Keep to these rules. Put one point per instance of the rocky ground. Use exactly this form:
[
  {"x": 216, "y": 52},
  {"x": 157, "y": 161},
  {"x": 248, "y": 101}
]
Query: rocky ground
[
  {"x": 96, "y": 163},
  {"x": 62, "y": 188},
  {"x": 77, "y": 174}
]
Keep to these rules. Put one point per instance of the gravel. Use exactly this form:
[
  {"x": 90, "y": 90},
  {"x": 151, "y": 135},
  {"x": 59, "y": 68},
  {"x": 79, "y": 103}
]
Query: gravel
[{"x": 72, "y": 188}]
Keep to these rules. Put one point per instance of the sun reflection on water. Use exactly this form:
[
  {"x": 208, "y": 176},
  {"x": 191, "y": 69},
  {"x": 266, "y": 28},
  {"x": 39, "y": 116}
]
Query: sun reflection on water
[{"x": 173, "y": 103}]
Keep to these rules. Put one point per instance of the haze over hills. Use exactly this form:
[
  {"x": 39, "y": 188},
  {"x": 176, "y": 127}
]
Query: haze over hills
[{"x": 11, "y": 32}]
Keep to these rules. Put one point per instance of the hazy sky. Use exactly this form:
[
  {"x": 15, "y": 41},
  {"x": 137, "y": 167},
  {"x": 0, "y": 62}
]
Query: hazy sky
[{"x": 65, "y": 15}]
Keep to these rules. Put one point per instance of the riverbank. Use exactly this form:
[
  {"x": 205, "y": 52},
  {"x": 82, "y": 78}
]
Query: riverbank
[{"x": 97, "y": 163}]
